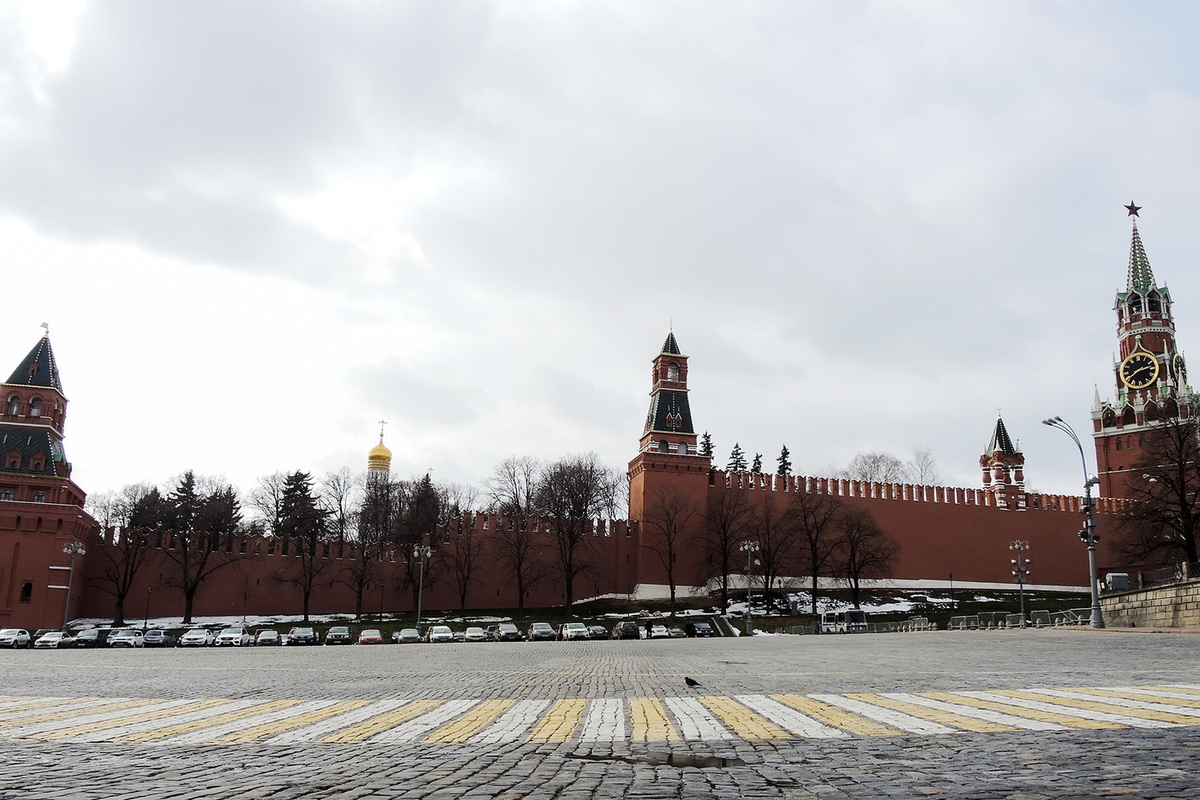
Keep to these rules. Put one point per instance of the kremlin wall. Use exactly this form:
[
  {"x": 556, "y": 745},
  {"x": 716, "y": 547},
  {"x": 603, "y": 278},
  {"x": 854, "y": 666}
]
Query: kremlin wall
[{"x": 946, "y": 535}]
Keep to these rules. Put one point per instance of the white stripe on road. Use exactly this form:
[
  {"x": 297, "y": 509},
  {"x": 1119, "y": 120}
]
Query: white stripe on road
[
  {"x": 1069, "y": 711},
  {"x": 887, "y": 716},
  {"x": 416, "y": 728},
  {"x": 154, "y": 724},
  {"x": 1158, "y": 693},
  {"x": 511, "y": 726},
  {"x": 789, "y": 718},
  {"x": 217, "y": 731},
  {"x": 1165, "y": 708},
  {"x": 60, "y": 704},
  {"x": 976, "y": 713},
  {"x": 605, "y": 721},
  {"x": 85, "y": 718},
  {"x": 325, "y": 727},
  {"x": 696, "y": 722}
]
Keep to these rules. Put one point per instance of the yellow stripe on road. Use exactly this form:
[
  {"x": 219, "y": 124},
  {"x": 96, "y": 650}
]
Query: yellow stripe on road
[
  {"x": 931, "y": 714},
  {"x": 76, "y": 712},
  {"x": 1142, "y": 698},
  {"x": 121, "y": 722},
  {"x": 742, "y": 721},
  {"x": 33, "y": 706},
  {"x": 471, "y": 723},
  {"x": 835, "y": 716},
  {"x": 560, "y": 721},
  {"x": 291, "y": 723},
  {"x": 377, "y": 725},
  {"x": 1021, "y": 711},
  {"x": 650, "y": 721},
  {"x": 1107, "y": 708},
  {"x": 207, "y": 722}
]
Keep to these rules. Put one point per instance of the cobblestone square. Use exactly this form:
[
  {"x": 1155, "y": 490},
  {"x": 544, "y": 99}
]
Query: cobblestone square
[{"x": 1039, "y": 713}]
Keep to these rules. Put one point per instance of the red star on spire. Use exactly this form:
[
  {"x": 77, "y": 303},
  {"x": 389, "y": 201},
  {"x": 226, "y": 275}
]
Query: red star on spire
[{"x": 1132, "y": 209}]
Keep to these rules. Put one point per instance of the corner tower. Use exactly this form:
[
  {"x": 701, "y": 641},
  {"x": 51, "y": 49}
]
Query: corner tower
[
  {"x": 1149, "y": 372},
  {"x": 1003, "y": 467}
]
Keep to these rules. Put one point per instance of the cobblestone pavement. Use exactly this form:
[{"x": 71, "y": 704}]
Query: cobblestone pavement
[{"x": 984, "y": 714}]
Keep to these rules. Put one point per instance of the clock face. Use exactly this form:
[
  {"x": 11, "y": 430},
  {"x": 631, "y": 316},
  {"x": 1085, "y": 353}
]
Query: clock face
[
  {"x": 1139, "y": 370},
  {"x": 1179, "y": 368}
]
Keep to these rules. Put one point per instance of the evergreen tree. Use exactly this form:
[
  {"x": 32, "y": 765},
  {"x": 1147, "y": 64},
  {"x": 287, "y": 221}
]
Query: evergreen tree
[
  {"x": 737, "y": 459},
  {"x": 756, "y": 465},
  {"x": 706, "y": 445},
  {"x": 303, "y": 522},
  {"x": 785, "y": 462}
]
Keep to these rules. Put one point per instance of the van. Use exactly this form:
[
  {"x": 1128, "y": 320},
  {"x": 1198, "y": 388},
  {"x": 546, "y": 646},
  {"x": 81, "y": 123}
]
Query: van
[{"x": 846, "y": 620}]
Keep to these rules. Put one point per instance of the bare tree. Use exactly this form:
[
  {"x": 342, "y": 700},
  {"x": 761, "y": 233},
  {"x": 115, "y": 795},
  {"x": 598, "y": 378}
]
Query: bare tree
[
  {"x": 572, "y": 493},
  {"x": 267, "y": 499},
  {"x": 127, "y": 522},
  {"x": 376, "y": 520},
  {"x": 725, "y": 525},
  {"x": 464, "y": 554},
  {"x": 776, "y": 536},
  {"x": 863, "y": 550},
  {"x": 1161, "y": 522},
  {"x": 814, "y": 517},
  {"x": 339, "y": 493},
  {"x": 877, "y": 466},
  {"x": 198, "y": 521},
  {"x": 922, "y": 468},
  {"x": 510, "y": 494},
  {"x": 667, "y": 520}
]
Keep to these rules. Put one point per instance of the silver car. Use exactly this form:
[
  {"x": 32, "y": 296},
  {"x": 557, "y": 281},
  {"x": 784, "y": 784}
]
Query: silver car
[
  {"x": 126, "y": 638},
  {"x": 15, "y": 637},
  {"x": 236, "y": 637}
]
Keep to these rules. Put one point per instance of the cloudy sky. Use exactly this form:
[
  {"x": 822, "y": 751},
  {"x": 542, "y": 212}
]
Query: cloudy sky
[{"x": 255, "y": 228}]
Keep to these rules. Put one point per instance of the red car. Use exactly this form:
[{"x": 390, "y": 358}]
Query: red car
[{"x": 370, "y": 636}]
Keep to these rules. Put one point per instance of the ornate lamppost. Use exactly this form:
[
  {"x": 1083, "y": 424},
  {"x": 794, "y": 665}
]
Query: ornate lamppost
[
  {"x": 749, "y": 548},
  {"x": 1088, "y": 535},
  {"x": 422, "y": 552},
  {"x": 1020, "y": 571},
  {"x": 72, "y": 549}
]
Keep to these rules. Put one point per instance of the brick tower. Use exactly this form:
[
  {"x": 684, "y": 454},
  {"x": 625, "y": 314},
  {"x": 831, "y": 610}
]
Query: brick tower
[
  {"x": 1150, "y": 374},
  {"x": 1003, "y": 467}
]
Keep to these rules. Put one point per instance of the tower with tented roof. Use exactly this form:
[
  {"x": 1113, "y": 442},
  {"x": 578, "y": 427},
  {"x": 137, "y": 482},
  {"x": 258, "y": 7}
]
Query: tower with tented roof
[{"x": 1003, "y": 466}]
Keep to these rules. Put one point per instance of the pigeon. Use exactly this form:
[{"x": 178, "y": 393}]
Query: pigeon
[{"x": 690, "y": 682}]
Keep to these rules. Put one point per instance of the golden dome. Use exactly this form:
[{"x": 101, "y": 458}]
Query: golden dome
[{"x": 380, "y": 458}]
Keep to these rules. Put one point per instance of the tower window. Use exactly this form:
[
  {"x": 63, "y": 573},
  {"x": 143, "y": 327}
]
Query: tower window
[
  {"x": 6, "y": 494},
  {"x": 683, "y": 450},
  {"x": 1120, "y": 445},
  {"x": 26, "y": 592},
  {"x": 664, "y": 446},
  {"x": 39, "y": 497},
  {"x": 14, "y": 405},
  {"x": 35, "y": 407},
  {"x": 672, "y": 371}
]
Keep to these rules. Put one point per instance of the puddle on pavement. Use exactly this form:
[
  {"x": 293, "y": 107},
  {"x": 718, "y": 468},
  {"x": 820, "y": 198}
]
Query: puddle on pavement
[{"x": 665, "y": 759}]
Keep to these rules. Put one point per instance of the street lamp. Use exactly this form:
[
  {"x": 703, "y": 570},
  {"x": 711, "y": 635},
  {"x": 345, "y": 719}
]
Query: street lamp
[
  {"x": 1088, "y": 535},
  {"x": 421, "y": 551},
  {"x": 72, "y": 549},
  {"x": 749, "y": 548},
  {"x": 146, "y": 622},
  {"x": 1020, "y": 571}
]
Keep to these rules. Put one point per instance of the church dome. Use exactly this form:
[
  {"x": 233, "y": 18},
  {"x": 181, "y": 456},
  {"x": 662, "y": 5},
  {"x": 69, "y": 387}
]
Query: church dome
[{"x": 380, "y": 458}]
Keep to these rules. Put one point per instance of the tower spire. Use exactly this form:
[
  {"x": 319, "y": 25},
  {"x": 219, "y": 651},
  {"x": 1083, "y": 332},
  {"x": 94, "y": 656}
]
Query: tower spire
[{"x": 1141, "y": 279}]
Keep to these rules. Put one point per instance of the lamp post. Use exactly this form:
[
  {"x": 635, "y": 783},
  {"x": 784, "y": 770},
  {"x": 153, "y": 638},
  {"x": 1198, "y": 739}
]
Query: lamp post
[
  {"x": 1020, "y": 571},
  {"x": 421, "y": 551},
  {"x": 72, "y": 549},
  {"x": 749, "y": 548},
  {"x": 1088, "y": 535},
  {"x": 146, "y": 621}
]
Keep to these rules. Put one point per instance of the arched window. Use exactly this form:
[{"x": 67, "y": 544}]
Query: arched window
[
  {"x": 1110, "y": 419},
  {"x": 1152, "y": 412},
  {"x": 39, "y": 497},
  {"x": 35, "y": 407},
  {"x": 14, "y": 405},
  {"x": 683, "y": 450},
  {"x": 1129, "y": 417},
  {"x": 672, "y": 371},
  {"x": 26, "y": 592},
  {"x": 1152, "y": 303},
  {"x": 6, "y": 494},
  {"x": 1120, "y": 445},
  {"x": 664, "y": 446},
  {"x": 1135, "y": 303}
]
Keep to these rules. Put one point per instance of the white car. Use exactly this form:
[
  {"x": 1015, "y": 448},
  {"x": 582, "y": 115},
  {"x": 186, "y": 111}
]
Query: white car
[
  {"x": 14, "y": 638},
  {"x": 125, "y": 638},
  {"x": 575, "y": 630},
  {"x": 53, "y": 639},
  {"x": 475, "y": 635},
  {"x": 440, "y": 633},
  {"x": 658, "y": 632},
  {"x": 237, "y": 637},
  {"x": 196, "y": 637}
]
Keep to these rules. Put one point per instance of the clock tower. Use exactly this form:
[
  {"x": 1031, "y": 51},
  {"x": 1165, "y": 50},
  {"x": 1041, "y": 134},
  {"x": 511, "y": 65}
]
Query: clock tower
[{"x": 1149, "y": 371}]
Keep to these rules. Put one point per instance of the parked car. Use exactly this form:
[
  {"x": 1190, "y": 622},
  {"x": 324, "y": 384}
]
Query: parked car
[
  {"x": 493, "y": 633},
  {"x": 233, "y": 637},
  {"x": 507, "y": 632},
  {"x": 40, "y": 632},
  {"x": 369, "y": 636},
  {"x": 406, "y": 636},
  {"x": 338, "y": 634},
  {"x": 15, "y": 637},
  {"x": 475, "y": 634},
  {"x": 460, "y": 636},
  {"x": 268, "y": 637},
  {"x": 92, "y": 637},
  {"x": 657, "y": 631},
  {"x": 597, "y": 632},
  {"x": 541, "y": 632},
  {"x": 571, "y": 631},
  {"x": 54, "y": 639},
  {"x": 300, "y": 636},
  {"x": 196, "y": 637},
  {"x": 675, "y": 632},
  {"x": 626, "y": 630},
  {"x": 439, "y": 633},
  {"x": 698, "y": 629},
  {"x": 129, "y": 637},
  {"x": 157, "y": 638}
]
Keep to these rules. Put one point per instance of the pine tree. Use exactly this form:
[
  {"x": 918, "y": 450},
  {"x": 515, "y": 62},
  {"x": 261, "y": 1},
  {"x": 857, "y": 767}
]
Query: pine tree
[
  {"x": 706, "y": 445},
  {"x": 756, "y": 465},
  {"x": 737, "y": 459},
  {"x": 785, "y": 463}
]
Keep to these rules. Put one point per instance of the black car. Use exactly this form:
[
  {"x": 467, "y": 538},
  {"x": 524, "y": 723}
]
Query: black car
[
  {"x": 626, "y": 630},
  {"x": 338, "y": 634},
  {"x": 541, "y": 632},
  {"x": 299, "y": 636},
  {"x": 597, "y": 632},
  {"x": 507, "y": 632},
  {"x": 697, "y": 629}
]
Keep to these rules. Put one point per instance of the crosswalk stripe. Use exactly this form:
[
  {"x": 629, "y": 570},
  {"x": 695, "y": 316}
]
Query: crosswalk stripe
[
  {"x": 560, "y": 721},
  {"x": 1009, "y": 721},
  {"x": 1176, "y": 702},
  {"x": 86, "y": 718},
  {"x": 315, "y": 731},
  {"x": 211, "y": 734},
  {"x": 789, "y": 718},
  {"x": 1181, "y": 687},
  {"x": 896, "y": 719},
  {"x": 23, "y": 703},
  {"x": 78, "y": 711},
  {"x": 168, "y": 710},
  {"x": 325, "y": 710},
  {"x": 389, "y": 719},
  {"x": 1176, "y": 714},
  {"x": 1061, "y": 706},
  {"x": 696, "y": 722},
  {"x": 649, "y": 721},
  {"x": 471, "y": 723},
  {"x": 18, "y": 716},
  {"x": 742, "y": 721},
  {"x": 185, "y": 728},
  {"x": 1175, "y": 697},
  {"x": 605, "y": 721},
  {"x": 940, "y": 717},
  {"x": 835, "y": 717},
  {"x": 510, "y": 725},
  {"x": 417, "y": 727},
  {"x": 1020, "y": 711},
  {"x": 175, "y": 718}
]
